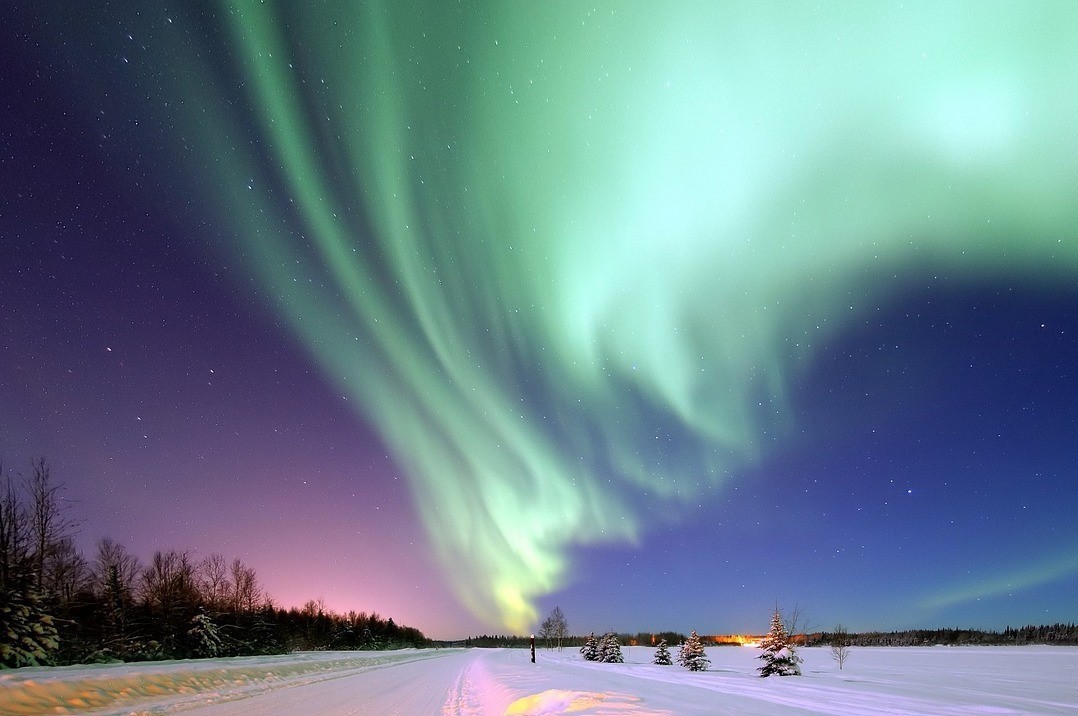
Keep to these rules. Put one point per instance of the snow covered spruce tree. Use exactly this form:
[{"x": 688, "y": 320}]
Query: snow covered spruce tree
[
  {"x": 590, "y": 650},
  {"x": 206, "y": 636},
  {"x": 610, "y": 650},
  {"x": 662, "y": 655},
  {"x": 28, "y": 635},
  {"x": 692, "y": 656},
  {"x": 683, "y": 653},
  {"x": 779, "y": 656}
]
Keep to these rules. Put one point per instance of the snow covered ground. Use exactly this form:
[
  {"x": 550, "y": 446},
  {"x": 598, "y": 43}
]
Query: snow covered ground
[{"x": 940, "y": 681}]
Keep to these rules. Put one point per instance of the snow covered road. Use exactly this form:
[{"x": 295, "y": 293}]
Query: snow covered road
[
  {"x": 939, "y": 681},
  {"x": 432, "y": 682}
]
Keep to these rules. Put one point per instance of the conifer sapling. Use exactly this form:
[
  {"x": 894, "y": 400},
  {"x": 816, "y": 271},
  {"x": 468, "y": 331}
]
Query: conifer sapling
[{"x": 662, "y": 655}]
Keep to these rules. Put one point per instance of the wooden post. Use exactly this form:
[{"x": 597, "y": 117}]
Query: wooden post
[{"x": 533, "y": 648}]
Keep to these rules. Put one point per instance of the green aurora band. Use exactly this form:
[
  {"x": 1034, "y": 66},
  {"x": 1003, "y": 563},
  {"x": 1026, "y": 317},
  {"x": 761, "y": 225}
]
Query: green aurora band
[{"x": 568, "y": 258}]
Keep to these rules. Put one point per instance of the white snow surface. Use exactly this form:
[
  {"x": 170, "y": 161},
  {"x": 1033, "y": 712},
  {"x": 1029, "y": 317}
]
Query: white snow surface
[{"x": 936, "y": 681}]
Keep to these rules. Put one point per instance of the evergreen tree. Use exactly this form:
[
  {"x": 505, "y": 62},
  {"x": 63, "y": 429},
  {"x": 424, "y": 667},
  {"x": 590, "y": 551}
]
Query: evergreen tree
[
  {"x": 28, "y": 635},
  {"x": 370, "y": 642},
  {"x": 692, "y": 655},
  {"x": 206, "y": 636},
  {"x": 590, "y": 650},
  {"x": 662, "y": 655},
  {"x": 610, "y": 650},
  {"x": 779, "y": 657}
]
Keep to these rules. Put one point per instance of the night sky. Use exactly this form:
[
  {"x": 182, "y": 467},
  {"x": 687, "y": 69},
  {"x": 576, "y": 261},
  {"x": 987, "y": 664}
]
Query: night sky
[{"x": 660, "y": 312}]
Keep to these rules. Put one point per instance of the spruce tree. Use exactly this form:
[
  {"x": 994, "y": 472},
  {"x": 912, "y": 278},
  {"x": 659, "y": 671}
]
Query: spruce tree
[
  {"x": 662, "y": 655},
  {"x": 779, "y": 657},
  {"x": 206, "y": 636},
  {"x": 692, "y": 655},
  {"x": 590, "y": 650},
  {"x": 28, "y": 634},
  {"x": 610, "y": 650}
]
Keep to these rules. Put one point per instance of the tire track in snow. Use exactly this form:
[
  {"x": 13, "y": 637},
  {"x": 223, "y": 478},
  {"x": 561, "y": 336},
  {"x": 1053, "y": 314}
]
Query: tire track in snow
[
  {"x": 461, "y": 699},
  {"x": 476, "y": 691}
]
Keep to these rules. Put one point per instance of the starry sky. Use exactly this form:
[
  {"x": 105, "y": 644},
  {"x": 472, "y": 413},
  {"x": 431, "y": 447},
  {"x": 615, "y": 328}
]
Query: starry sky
[{"x": 660, "y": 312}]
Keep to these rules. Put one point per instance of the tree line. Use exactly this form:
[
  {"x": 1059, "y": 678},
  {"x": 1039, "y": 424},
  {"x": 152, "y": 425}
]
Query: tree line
[
  {"x": 58, "y": 606},
  {"x": 516, "y": 641},
  {"x": 1066, "y": 634}
]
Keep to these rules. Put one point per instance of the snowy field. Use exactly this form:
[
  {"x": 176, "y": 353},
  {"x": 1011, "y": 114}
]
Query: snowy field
[{"x": 939, "y": 681}]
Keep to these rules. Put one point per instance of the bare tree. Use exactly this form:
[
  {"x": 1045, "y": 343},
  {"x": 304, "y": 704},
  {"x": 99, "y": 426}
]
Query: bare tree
[
  {"x": 47, "y": 522},
  {"x": 14, "y": 536},
  {"x": 796, "y": 625},
  {"x": 554, "y": 628},
  {"x": 168, "y": 583},
  {"x": 246, "y": 591},
  {"x": 117, "y": 567},
  {"x": 544, "y": 633},
  {"x": 315, "y": 607},
  {"x": 316, "y": 624},
  {"x": 840, "y": 645},
  {"x": 213, "y": 582},
  {"x": 66, "y": 571},
  {"x": 116, "y": 574}
]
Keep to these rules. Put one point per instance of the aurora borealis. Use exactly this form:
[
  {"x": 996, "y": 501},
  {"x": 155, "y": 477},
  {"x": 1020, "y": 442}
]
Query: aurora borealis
[{"x": 585, "y": 270}]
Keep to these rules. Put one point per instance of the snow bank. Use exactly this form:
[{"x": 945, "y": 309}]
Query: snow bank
[{"x": 166, "y": 686}]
